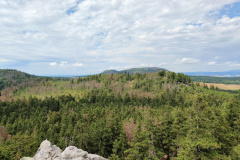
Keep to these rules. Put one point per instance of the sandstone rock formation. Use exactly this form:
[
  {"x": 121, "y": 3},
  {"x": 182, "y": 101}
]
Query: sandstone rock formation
[{"x": 47, "y": 151}]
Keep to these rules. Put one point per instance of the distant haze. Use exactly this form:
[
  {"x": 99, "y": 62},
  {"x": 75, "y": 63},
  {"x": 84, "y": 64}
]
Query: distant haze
[{"x": 235, "y": 73}]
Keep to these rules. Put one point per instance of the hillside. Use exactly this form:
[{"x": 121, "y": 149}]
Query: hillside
[
  {"x": 122, "y": 117},
  {"x": 136, "y": 70},
  {"x": 10, "y": 77},
  {"x": 110, "y": 72},
  {"x": 13, "y": 81},
  {"x": 11, "y": 73}
]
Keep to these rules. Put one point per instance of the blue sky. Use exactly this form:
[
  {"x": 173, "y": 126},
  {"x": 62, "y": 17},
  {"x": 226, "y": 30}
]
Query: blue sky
[
  {"x": 231, "y": 10},
  {"x": 79, "y": 37}
]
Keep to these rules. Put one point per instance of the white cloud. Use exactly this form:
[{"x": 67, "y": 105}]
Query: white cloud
[
  {"x": 212, "y": 63},
  {"x": 162, "y": 64},
  {"x": 78, "y": 64},
  {"x": 217, "y": 57},
  {"x": 5, "y": 60},
  {"x": 232, "y": 64},
  {"x": 115, "y": 32},
  {"x": 53, "y": 64},
  {"x": 186, "y": 61},
  {"x": 146, "y": 65},
  {"x": 63, "y": 63}
]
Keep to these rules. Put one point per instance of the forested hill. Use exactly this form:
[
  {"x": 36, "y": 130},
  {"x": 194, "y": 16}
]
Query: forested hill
[
  {"x": 10, "y": 74},
  {"x": 136, "y": 70},
  {"x": 12, "y": 81},
  {"x": 122, "y": 117},
  {"x": 10, "y": 77}
]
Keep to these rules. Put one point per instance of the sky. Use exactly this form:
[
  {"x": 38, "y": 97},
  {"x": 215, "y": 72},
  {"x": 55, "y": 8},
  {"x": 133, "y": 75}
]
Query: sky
[{"x": 82, "y": 37}]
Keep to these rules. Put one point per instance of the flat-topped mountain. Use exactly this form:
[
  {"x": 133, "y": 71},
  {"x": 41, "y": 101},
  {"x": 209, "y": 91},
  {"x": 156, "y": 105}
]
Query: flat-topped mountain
[{"x": 136, "y": 70}]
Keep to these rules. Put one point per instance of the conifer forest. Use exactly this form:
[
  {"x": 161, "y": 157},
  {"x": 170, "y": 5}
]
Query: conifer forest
[{"x": 122, "y": 116}]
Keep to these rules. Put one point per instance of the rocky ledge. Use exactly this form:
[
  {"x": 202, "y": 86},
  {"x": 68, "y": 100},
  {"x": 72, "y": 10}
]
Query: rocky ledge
[{"x": 47, "y": 151}]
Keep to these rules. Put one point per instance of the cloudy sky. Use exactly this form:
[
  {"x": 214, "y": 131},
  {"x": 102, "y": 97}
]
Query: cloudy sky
[{"x": 79, "y": 37}]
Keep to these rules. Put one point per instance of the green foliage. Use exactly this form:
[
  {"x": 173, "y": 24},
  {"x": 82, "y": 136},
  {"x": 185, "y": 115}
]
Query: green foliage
[
  {"x": 18, "y": 146},
  {"x": 223, "y": 80},
  {"x": 122, "y": 116},
  {"x": 139, "y": 146}
]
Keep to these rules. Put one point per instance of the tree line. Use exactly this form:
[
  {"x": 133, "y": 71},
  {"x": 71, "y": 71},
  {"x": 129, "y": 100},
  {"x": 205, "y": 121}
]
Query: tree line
[{"x": 172, "y": 119}]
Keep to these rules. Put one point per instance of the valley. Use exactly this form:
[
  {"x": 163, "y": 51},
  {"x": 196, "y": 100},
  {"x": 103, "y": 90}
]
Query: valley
[
  {"x": 118, "y": 116},
  {"x": 119, "y": 80}
]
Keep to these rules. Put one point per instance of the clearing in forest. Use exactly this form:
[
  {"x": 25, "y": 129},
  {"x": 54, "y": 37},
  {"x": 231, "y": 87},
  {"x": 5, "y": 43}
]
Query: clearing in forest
[{"x": 222, "y": 86}]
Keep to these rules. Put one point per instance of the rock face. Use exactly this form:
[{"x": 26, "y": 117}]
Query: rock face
[{"x": 47, "y": 151}]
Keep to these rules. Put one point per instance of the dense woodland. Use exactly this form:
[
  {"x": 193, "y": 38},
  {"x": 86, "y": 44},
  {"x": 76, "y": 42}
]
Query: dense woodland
[
  {"x": 222, "y": 80},
  {"x": 120, "y": 116}
]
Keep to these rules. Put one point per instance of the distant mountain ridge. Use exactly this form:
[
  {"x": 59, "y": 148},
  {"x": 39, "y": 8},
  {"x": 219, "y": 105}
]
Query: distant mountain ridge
[
  {"x": 136, "y": 70},
  {"x": 12, "y": 74},
  {"x": 232, "y": 73}
]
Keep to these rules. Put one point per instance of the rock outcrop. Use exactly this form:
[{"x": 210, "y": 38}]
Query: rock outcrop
[{"x": 47, "y": 151}]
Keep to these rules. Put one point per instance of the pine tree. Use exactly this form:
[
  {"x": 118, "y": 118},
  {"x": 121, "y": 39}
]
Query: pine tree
[
  {"x": 199, "y": 142},
  {"x": 140, "y": 146}
]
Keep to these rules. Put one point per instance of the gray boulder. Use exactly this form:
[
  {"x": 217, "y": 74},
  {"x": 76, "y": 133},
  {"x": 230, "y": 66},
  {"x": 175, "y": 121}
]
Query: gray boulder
[
  {"x": 95, "y": 157},
  {"x": 47, "y": 151},
  {"x": 26, "y": 158},
  {"x": 73, "y": 152}
]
